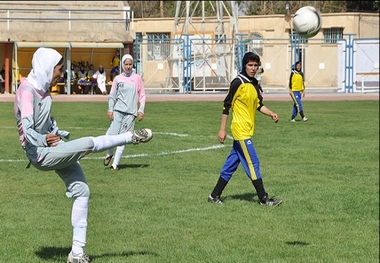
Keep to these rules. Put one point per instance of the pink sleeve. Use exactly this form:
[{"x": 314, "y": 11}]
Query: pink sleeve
[{"x": 141, "y": 92}]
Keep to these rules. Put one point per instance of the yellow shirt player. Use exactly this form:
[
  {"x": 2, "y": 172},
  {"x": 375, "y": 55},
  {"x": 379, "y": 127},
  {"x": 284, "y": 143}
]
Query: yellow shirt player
[
  {"x": 243, "y": 100},
  {"x": 297, "y": 91},
  {"x": 115, "y": 64}
]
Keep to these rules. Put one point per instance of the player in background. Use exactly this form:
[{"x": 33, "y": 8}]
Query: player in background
[
  {"x": 43, "y": 144},
  {"x": 259, "y": 76},
  {"x": 297, "y": 91},
  {"x": 243, "y": 100},
  {"x": 126, "y": 103}
]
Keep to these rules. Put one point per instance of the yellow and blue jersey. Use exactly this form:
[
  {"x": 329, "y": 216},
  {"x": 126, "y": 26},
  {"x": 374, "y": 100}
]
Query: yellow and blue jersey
[
  {"x": 243, "y": 99},
  {"x": 296, "y": 82}
]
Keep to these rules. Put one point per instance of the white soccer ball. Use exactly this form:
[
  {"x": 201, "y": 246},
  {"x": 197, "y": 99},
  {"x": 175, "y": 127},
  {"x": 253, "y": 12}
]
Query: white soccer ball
[{"x": 307, "y": 21}]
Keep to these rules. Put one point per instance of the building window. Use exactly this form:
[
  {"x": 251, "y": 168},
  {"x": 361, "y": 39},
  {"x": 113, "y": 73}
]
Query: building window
[
  {"x": 256, "y": 43},
  {"x": 332, "y": 35},
  {"x": 158, "y": 46}
]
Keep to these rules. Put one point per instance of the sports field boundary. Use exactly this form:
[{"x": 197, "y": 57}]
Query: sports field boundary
[{"x": 151, "y": 97}]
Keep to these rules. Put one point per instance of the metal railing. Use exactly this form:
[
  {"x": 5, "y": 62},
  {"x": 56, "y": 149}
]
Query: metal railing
[{"x": 11, "y": 15}]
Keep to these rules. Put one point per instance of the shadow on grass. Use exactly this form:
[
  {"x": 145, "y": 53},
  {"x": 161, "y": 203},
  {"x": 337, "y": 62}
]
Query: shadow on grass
[
  {"x": 297, "y": 243},
  {"x": 59, "y": 253},
  {"x": 247, "y": 197},
  {"x": 126, "y": 166}
]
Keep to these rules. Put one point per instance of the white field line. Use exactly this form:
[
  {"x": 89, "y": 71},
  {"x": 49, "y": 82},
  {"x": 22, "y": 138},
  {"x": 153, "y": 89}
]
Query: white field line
[
  {"x": 136, "y": 155},
  {"x": 213, "y": 147}
]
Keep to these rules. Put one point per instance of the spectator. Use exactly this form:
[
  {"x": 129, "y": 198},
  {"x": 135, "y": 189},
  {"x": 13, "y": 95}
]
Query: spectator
[
  {"x": 115, "y": 64},
  {"x": 73, "y": 79},
  {"x": 2, "y": 80},
  {"x": 100, "y": 76},
  {"x": 90, "y": 79},
  {"x": 82, "y": 79}
]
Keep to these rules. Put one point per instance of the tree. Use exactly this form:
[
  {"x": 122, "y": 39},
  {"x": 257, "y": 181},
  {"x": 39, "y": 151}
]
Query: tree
[{"x": 153, "y": 9}]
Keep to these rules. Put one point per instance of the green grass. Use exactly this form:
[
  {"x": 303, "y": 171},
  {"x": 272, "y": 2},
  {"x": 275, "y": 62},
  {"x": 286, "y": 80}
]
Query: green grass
[{"x": 154, "y": 209}]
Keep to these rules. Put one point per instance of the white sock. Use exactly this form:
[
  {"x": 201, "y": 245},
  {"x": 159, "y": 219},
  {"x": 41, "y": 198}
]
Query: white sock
[
  {"x": 79, "y": 222},
  {"x": 109, "y": 152},
  {"x": 106, "y": 142},
  {"x": 118, "y": 153}
]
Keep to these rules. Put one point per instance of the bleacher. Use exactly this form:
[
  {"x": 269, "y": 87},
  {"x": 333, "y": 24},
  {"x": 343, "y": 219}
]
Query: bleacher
[{"x": 90, "y": 30}]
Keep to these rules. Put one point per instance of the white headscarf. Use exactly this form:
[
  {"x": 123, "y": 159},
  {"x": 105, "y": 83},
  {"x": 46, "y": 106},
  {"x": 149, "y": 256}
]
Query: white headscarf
[
  {"x": 127, "y": 56},
  {"x": 43, "y": 63}
]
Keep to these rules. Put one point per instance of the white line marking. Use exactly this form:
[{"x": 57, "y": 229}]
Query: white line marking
[{"x": 137, "y": 155}]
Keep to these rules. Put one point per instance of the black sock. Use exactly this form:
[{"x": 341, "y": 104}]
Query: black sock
[
  {"x": 301, "y": 113},
  {"x": 219, "y": 187},
  {"x": 259, "y": 186},
  {"x": 293, "y": 117}
]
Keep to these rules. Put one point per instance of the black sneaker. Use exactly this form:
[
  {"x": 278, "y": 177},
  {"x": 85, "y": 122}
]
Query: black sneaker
[
  {"x": 107, "y": 160},
  {"x": 215, "y": 200},
  {"x": 270, "y": 201},
  {"x": 143, "y": 135}
]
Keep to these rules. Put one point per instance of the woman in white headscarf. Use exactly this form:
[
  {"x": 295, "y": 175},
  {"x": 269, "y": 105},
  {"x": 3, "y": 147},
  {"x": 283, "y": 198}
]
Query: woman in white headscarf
[
  {"x": 43, "y": 144},
  {"x": 100, "y": 76},
  {"x": 126, "y": 103}
]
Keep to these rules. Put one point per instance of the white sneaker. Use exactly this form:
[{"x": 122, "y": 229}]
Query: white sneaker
[
  {"x": 143, "y": 135},
  {"x": 84, "y": 258},
  {"x": 292, "y": 120},
  {"x": 304, "y": 118}
]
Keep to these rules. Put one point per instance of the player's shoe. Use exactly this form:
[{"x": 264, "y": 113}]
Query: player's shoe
[
  {"x": 270, "y": 201},
  {"x": 107, "y": 160},
  {"x": 215, "y": 200},
  {"x": 305, "y": 118},
  {"x": 143, "y": 135},
  {"x": 84, "y": 258},
  {"x": 292, "y": 120}
]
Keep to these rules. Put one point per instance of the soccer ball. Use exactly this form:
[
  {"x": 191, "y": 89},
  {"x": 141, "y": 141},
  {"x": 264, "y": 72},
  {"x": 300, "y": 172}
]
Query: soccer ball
[{"x": 307, "y": 21}]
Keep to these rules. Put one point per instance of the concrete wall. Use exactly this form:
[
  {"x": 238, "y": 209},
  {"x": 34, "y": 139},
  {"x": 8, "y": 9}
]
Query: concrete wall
[{"x": 363, "y": 25}]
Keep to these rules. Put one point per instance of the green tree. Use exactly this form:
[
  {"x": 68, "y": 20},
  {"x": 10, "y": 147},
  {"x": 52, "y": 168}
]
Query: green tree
[
  {"x": 154, "y": 9},
  {"x": 151, "y": 9}
]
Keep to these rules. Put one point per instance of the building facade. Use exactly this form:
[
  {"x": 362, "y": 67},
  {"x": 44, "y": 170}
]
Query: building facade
[{"x": 190, "y": 53}]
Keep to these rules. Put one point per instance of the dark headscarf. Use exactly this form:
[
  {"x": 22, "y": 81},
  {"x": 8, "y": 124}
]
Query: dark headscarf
[
  {"x": 295, "y": 66},
  {"x": 249, "y": 56}
]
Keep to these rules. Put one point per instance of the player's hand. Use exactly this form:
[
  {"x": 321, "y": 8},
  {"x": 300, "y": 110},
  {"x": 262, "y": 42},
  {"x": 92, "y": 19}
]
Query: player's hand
[
  {"x": 140, "y": 116},
  {"x": 52, "y": 139},
  {"x": 110, "y": 115},
  {"x": 222, "y": 136},
  {"x": 274, "y": 117}
]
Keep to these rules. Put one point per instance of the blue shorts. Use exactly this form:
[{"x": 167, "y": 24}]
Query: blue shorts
[
  {"x": 82, "y": 82},
  {"x": 243, "y": 152},
  {"x": 114, "y": 70}
]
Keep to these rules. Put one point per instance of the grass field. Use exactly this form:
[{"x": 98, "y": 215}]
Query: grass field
[{"x": 154, "y": 209}]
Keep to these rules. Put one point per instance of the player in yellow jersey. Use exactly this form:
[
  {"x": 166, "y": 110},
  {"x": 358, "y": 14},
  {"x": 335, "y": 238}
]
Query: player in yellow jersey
[
  {"x": 297, "y": 91},
  {"x": 243, "y": 100},
  {"x": 115, "y": 64}
]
